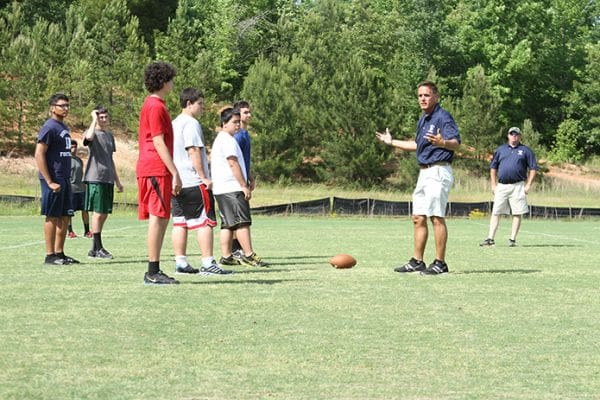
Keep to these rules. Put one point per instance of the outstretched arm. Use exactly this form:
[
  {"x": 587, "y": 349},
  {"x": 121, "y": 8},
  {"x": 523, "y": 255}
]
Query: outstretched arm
[{"x": 406, "y": 145}]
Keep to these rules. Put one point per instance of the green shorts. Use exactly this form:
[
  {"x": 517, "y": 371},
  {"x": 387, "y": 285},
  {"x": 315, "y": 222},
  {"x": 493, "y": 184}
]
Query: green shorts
[{"x": 99, "y": 197}]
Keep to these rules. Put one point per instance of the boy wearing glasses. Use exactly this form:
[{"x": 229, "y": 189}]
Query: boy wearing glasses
[
  {"x": 512, "y": 171},
  {"x": 53, "y": 159}
]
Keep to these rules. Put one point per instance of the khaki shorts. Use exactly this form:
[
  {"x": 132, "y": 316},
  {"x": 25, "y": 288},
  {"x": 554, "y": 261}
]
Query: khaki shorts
[
  {"x": 510, "y": 199},
  {"x": 430, "y": 197}
]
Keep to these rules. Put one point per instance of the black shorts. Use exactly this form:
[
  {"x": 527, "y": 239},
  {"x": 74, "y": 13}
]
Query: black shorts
[
  {"x": 234, "y": 210},
  {"x": 194, "y": 208},
  {"x": 78, "y": 200}
]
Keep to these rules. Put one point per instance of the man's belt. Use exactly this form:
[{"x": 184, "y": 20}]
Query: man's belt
[
  {"x": 435, "y": 164},
  {"x": 508, "y": 182}
]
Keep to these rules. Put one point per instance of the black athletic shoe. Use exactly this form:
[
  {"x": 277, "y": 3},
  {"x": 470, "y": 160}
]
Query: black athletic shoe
[
  {"x": 214, "y": 269},
  {"x": 253, "y": 260},
  {"x": 228, "y": 261},
  {"x": 413, "y": 265},
  {"x": 436, "y": 268},
  {"x": 102, "y": 253},
  {"x": 67, "y": 259},
  {"x": 188, "y": 270},
  {"x": 53, "y": 259},
  {"x": 159, "y": 278},
  {"x": 512, "y": 243},
  {"x": 487, "y": 242}
]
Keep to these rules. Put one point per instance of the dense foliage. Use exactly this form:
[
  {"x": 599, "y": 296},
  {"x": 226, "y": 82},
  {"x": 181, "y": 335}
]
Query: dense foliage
[{"x": 322, "y": 75}]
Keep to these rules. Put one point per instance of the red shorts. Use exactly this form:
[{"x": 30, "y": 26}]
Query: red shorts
[{"x": 154, "y": 196}]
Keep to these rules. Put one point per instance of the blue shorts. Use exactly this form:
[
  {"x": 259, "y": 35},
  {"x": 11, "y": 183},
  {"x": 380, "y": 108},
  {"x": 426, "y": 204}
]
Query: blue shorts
[{"x": 56, "y": 204}]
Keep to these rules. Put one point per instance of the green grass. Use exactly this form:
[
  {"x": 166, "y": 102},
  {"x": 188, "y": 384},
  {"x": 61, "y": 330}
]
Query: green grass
[{"x": 506, "y": 323}]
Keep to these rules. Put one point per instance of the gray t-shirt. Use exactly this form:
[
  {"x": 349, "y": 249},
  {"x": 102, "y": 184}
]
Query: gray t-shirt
[
  {"x": 77, "y": 185},
  {"x": 100, "y": 166},
  {"x": 187, "y": 133}
]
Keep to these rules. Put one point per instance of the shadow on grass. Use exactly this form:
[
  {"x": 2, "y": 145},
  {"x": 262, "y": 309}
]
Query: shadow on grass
[
  {"x": 300, "y": 257},
  {"x": 212, "y": 281},
  {"x": 499, "y": 271},
  {"x": 550, "y": 245}
]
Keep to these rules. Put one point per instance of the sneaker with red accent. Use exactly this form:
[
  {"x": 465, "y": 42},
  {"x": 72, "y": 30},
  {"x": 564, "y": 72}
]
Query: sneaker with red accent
[
  {"x": 89, "y": 234},
  {"x": 72, "y": 235}
]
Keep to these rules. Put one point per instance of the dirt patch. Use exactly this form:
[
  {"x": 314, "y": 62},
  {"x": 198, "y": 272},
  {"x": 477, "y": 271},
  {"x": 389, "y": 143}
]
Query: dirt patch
[
  {"x": 125, "y": 157},
  {"x": 575, "y": 174}
]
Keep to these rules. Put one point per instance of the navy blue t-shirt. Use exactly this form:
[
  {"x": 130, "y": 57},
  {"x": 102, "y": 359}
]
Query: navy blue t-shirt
[
  {"x": 243, "y": 138},
  {"x": 513, "y": 163},
  {"x": 441, "y": 119},
  {"x": 56, "y": 136}
]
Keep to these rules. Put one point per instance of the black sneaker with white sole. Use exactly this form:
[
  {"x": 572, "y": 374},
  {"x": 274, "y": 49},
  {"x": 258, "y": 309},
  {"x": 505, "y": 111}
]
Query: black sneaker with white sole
[
  {"x": 53, "y": 259},
  {"x": 159, "y": 278},
  {"x": 67, "y": 260},
  {"x": 102, "y": 253},
  {"x": 436, "y": 268},
  {"x": 413, "y": 265},
  {"x": 512, "y": 243},
  {"x": 229, "y": 261},
  {"x": 487, "y": 243},
  {"x": 188, "y": 270},
  {"x": 214, "y": 269}
]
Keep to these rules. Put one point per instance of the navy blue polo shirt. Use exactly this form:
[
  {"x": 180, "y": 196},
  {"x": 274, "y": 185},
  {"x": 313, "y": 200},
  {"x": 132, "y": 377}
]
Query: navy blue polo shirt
[
  {"x": 441, "y": 119},
  {"x": 513, "y": 163}
]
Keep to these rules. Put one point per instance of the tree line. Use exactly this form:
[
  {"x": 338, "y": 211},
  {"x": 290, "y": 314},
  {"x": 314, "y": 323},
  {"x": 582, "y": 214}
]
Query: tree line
[{"x": 322, "y": 75}]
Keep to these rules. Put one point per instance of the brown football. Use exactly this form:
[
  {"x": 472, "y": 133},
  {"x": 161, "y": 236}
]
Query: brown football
[{"x": 341, "y": 261}]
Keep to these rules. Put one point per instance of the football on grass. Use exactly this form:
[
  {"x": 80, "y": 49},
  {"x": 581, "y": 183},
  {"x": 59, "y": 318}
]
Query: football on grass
[{"x": 342, "y": 261}]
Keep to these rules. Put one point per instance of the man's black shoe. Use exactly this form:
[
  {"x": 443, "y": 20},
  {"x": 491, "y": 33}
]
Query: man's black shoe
[
  {"x": 487, "y": 242},
  {"x": 159, "y": 278},
  {"x": 413, "y": 265},
  {"x": 188, "y": 270},
  {"x": 436, "y": 268},
  {"x": 67, "y": 259},
  {"x": 512, "y": 243},
  {"x": 102, "y": 253},
  {"x": 53, "y": 259}
]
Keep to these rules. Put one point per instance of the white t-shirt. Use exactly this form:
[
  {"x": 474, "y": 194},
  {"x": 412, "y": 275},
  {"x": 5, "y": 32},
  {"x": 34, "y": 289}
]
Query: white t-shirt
[
  {"x": 187, "y": 133},
  {"x": 225, "y": 146}
]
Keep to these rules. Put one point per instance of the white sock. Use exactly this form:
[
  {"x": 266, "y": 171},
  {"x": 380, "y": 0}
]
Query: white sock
[
  {"x": 207, "y": 261},
  {"x": 181, "y": 261}
]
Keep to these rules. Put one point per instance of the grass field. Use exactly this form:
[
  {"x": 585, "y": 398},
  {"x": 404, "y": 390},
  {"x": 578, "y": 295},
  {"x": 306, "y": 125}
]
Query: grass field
[{"x": 506, "y": 323}]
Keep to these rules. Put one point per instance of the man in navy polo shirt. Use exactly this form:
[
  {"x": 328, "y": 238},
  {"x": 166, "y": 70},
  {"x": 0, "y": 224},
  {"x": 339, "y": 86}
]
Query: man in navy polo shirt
[
  {"x": 512, "y": 171},
  {"x": 436, "y": 140},
  {"x": 53, "y": 159}
]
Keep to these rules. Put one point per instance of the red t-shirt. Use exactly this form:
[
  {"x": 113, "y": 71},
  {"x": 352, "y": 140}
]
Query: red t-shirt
[{"x": 154, "y": 120}]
